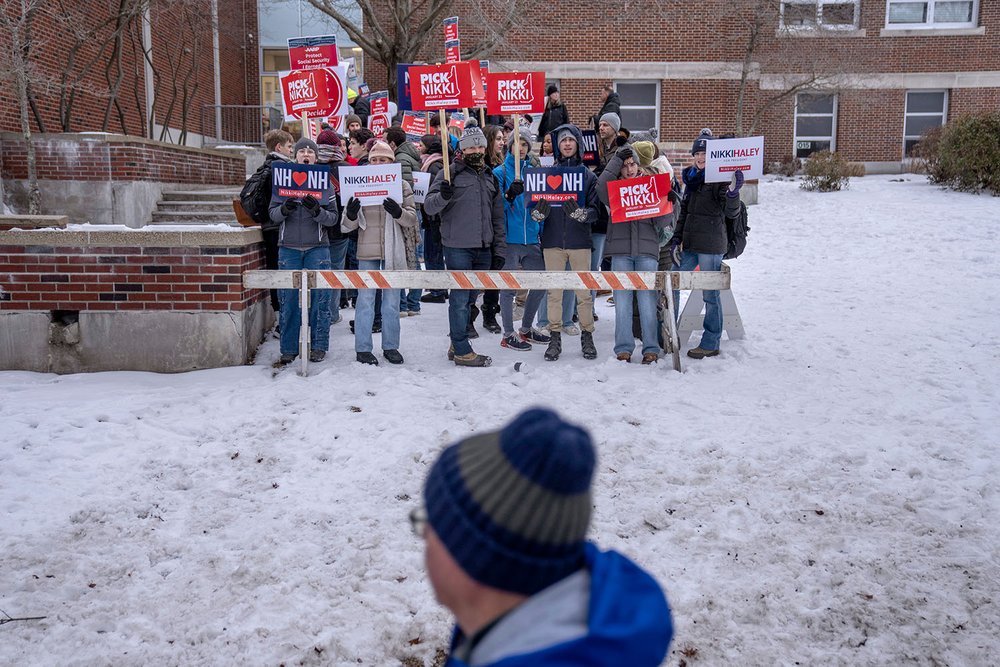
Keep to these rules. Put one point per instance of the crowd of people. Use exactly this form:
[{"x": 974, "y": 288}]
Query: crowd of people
[{"x": 480, "y": 219}]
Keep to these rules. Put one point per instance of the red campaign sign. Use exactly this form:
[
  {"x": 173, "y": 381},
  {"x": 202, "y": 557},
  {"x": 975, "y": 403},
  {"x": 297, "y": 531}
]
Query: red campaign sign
[
  {"x": 457, "y": 120},
  {"x": 378, "y": 123},
  {"x": 414, "y": 123},
  {"x": 317, "y": 92},
  {"x": 312, "y": 52},
  {"x": 639, "y": 198},
  {"x": 478, "y": 84},
  {"x": 379, "y": 101},
  {"x": 520, "y": 92},
  {"x": 450, "y": 28},
  {"x": 434, "y": 87},
  {"x": 453, "y": 51}
]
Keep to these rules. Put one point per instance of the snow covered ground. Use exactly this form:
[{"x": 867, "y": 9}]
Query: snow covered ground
[{"x": 825, "y": 492}]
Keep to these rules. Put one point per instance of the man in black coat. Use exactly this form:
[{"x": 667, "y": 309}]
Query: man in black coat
[{"x": 610, "y": 103}]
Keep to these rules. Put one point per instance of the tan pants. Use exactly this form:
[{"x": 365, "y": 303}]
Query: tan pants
[{"x": 579, "y": 260}]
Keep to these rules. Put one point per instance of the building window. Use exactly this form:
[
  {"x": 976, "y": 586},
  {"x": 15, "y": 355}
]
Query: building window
[
  {"x": 640, "y": 105},
  {"x": 830, "y": 14},
  {"x": 931, "y": 13},
  {"x": 925, "y": 110},
  {"x": 815, "y": 123}
]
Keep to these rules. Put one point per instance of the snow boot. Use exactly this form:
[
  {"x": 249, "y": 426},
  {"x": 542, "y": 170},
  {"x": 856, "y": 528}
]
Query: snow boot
[
  {"x": 367, "y": 358},
  {"x": 472, "y": 359},
  {"x": 699, "y": 353},
  {"x": 490, "y": 323},
  {"x": 587, "y": 343},
  {"x": 392, "y": 356},
  {"x": 555, "y": 346},
  {"x": 316, "y": 356}
]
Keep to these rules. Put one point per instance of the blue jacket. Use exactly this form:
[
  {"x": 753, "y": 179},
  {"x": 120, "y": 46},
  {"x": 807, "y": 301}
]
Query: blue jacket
[
  {"x": 623, "y": 620},
  {"x": 521, "y": 227},
  {"x": 561, "y": 231}
]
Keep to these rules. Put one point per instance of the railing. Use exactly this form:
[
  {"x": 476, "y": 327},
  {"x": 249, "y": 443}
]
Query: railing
[{"x": 238, "y": 124}]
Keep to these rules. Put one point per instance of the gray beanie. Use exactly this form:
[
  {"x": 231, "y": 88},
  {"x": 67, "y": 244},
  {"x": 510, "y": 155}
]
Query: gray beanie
[
  {"x": 526, "y": 135},
  {"x": 564, "y": 133},
  {"x": 305, "y": 142},
  {"x": 472, "y": 137},
  {"x": 613, "y": 120}
]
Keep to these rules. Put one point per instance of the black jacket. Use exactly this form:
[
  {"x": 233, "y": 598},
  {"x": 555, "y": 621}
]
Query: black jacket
[
  {"x": 611, "y": 105},
  {"x": 553, "y": 118},
  {"x": 362, "y": 109},
  {"x": 473, "y": 217},
  {"x": 429, "y": 221},
  {"x": 559, "y": 230},
  {"x": 701, "y": 225}
]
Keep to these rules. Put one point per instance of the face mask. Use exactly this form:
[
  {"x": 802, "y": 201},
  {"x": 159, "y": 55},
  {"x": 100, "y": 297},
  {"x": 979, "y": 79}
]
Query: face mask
[{"x": 476, "y": 160}]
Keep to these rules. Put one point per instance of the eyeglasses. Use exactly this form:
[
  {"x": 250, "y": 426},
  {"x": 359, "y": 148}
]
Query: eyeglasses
[{"x": 418, "y": 520}]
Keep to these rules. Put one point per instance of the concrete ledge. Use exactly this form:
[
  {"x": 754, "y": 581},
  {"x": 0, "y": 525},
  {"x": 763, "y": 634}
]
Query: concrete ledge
[
  {"x": 932, "y": 32},
  {"x": 90, "y": 137},
  {"x": 53, "y": 237},
  {"x": 33, "y": 221}
]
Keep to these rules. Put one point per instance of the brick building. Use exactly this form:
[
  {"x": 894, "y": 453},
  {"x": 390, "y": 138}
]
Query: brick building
[{"x": 864, "y": 77}]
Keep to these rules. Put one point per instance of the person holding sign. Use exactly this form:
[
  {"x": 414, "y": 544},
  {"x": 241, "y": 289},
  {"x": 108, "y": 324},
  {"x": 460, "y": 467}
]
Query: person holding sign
[
  {"x": 304, "y": 243},
  {"x": 380, "y": 247},
  {"x": 633, "y": 245},
  {"x": 700, "y": 236}
]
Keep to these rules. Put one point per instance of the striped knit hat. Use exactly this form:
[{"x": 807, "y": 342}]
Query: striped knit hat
[{"x": 513, "y": 506}]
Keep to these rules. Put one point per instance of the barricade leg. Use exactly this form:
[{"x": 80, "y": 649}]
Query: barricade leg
[
  {"x": 691, "y": 316},
  {"x": 304, "y": 330},
  {"x": 670, "y": 340}
]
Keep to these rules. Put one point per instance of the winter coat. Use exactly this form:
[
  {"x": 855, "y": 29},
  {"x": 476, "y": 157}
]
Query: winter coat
[
  {"x": 362, "y": 109},
  {"x": 334, "y": 232},
  {"x": 266, "y": 184},
  {"x": 300, "y": 229},
  {"x": 432, "y": 164},
  {"x": 609, "y": 614},
  {"x": 521, "y": 227},
  {"x": 636, "y": 237},
  {"x": 560, "y": 230},
  {"x": 409, "y": 159},
  {"x": 553, "y": 117},
  {"x": 701, "y": 225},
  {"x": 473, "y": 217},
  {"x": 611, "y": 105},
  {"x": 381, "y": 237}
]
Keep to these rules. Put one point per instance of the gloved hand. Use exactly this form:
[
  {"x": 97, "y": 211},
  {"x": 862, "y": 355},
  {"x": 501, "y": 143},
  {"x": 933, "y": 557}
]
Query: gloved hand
[
  {"x": 310, "y": 204},
  {"x": 353, "y": 208},
  {"x": 289, "y": 206},
  {"x": 625, "y": 152},
  {"x": 497, "y": 263},
  {"x": 447, "y": 190},
  {"x": 541, "y": 211},
  {"x": 620, "y": 141},
  {"x": 674, "y": 248},
  {"x": 573, "y": 210},
  {"x": 392, "y": 208},
  {"x": 515, "y": 190},
  {"x": 735, "y": 184}
]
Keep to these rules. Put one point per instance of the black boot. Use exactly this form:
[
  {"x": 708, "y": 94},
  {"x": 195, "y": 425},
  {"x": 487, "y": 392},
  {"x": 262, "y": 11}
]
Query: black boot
[
  {"x": 587, "y": 343},
  {"x": 555, "y": 346},
  {"x": 490, "y": 323}
]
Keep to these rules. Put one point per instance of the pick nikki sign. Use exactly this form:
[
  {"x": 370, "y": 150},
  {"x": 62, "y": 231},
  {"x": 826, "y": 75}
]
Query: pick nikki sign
[
  {"x": 519, "y": 92},
  {"x": 555, "y": 184},
  {"x": 448, "y": 86},
  {"x": 318, "y": 92},
  {"x": 295, "y": 181},
  {"x": 639, "y": 198}
]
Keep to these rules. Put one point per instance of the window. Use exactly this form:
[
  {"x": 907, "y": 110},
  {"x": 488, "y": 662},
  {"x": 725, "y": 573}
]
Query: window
[
  {"x": 832, "y": 14},
  {"x": 925, "y": 110},
  {"x": 640, "y": 105},
  {"x": 932, "y": 13},
  {"x": 815, "y": 123},
  {"x": 276, "y": 60}
]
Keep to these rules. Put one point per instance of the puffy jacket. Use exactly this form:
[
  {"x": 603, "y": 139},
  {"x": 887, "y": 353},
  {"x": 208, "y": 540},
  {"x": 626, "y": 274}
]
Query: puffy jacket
[
  {"x": 560, "y": 230},
  {"x": 610, "y": 614},
  {"x": 375, "y": 240},
  {"x": 636, "y": 237},
  {"x": 701, "y": 225},
  {"x": 521, "y": 227},
  {"x": 409, "y": 159},
  {"x": 473, "y": 217},
  {"x": 301, "y": 229},
  {"x": 334, "y": 232}
]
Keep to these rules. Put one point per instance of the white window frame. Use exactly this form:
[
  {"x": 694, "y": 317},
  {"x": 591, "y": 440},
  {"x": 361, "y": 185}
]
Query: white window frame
[
  {"x": 633, "y": 106},
  {"x": 819, "y": 15},
  {"x": 943, "y": 115},
  {"x": 930, "y": 24},
  {"x": 795, "y": 121}
]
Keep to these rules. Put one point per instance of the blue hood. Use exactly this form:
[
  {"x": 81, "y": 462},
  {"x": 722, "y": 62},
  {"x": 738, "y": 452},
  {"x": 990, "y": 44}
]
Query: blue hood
[{"x": 576, "y": 159}]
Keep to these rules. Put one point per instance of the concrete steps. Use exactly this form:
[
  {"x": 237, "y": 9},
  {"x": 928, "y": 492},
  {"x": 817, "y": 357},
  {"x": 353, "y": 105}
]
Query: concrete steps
[{"x": 196, "y": 207}]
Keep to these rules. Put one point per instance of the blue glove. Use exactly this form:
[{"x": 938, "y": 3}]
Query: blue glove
[{"x": 735, "y": 184}]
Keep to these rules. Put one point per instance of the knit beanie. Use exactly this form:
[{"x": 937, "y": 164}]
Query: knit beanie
[
  {"x": 472, "y": 136},
  {"x": 513, "y": 506},
  {"x": 305, "y": 142},
  {"x": 613, "y": 120},
  {"x": 381, "y": 149},
  {"x": 526, "y": 135},
  {"x": 551, "y": 89},
  {"x": 699, "y": 144},
  {"x": 353, "y": 118},
  {"x": 646, "y": 152},
  {"x": 329, "y": 138}
]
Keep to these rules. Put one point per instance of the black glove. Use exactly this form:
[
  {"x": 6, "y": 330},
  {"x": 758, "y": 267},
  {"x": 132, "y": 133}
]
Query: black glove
[
  {"x": 625, "y": 152},
  {"x": 310, "y": 204},
  {"x": 353, "y": 208},
  {"x": 541, "y": 210},
  {"x": 573, "y": 210},
  {"x": 620, "y": 141},
  {"x": 515, "y": 190},
  {"x": 447, "y": 191},
  {"x": 497, "y": 262},
  {"x": 392, "y": 208},
  {"x": 289, "y": 206}
]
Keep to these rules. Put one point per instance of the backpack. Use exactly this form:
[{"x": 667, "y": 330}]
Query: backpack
[
  {"x": 736, "y": 233},
  {"x": 255, "y": 197}
]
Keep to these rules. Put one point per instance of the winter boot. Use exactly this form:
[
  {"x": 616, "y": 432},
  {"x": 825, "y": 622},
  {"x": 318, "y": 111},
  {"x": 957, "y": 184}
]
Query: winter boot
[
  {"x": 587, "y": 343},
  {"x": 316, "y": 356},
  {"x": 392, "y": 356},
  {"x": 472, "y": 359},
  {"x": 700, "y": 353},
  {"x": 490, "y": 323},
  {"x": 555, "y": 346}
]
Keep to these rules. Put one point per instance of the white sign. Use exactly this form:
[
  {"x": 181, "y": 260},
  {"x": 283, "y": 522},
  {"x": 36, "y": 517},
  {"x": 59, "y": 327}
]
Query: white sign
[
  {"x": 724, "y": 156},
  {"x": 372, "y": 184},
  {"x": 421, "y": 184},
  {"x": 546, "y": 161}
]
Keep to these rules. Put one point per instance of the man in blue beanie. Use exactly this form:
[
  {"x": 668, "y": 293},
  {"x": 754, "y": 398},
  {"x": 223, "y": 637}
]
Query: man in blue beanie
[{"x": 505, "y": 526}]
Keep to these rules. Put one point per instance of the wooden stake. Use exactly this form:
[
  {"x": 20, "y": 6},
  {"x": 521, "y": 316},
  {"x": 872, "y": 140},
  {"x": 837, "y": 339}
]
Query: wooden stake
[
  {"x": 445, "y": 144},
  {"x": 306, "y": 128},
  {"x": 482, "y": 117},
  {"x": 517, "y": 150}
]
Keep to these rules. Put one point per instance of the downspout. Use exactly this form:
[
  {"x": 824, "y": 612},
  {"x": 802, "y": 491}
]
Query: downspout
[
  {"x": 147, "y": 46},
  {"x": 218, "y": 72}
]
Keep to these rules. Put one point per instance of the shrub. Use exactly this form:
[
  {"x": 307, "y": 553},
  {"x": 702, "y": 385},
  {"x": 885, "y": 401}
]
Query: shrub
[
  {"x": 826, "y": 172},
  {"x": 964, "y": 154},
  {"x": 787, "y": 167}
]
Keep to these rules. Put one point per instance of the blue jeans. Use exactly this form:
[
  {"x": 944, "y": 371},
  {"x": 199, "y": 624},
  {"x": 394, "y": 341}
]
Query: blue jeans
[
  {"x": 434, "y": 253},
  {"x": 521, "y": 258},
  {"x": 596, "y": 255},
  {"x": 624, "y": 340},
  {"x": 365, "y": 314},
  {"x": 338, "y": 256},
  {"x": 713, "y": 306},
  {"x": 290, "y": 259},
  {"x": 463, "y": 259}
]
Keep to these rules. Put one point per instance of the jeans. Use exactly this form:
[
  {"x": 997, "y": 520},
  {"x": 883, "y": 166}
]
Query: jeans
[
  {"x": 624, "y": 340},
  {"x": 579, "y": 260},
  {"x": 523, "y": 258},
  {"x": 463, "y": 259},
  {"x": 596, "y": 255},
  {"x": 434, "y": 253},
  {"x": 290, "y": 259},
  {"x": 338, "y": 255},
  {"x": 365, "y": 314},
  {"x": 410, "y": 300},
  {"x": 713, "y": 306}
]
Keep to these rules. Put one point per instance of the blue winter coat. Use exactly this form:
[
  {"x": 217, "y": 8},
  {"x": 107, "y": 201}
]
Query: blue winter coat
[
  {"x": 521, "y": 227},
  {"x": 626, "y": 621},
  {"x": 560, "y": 230}
]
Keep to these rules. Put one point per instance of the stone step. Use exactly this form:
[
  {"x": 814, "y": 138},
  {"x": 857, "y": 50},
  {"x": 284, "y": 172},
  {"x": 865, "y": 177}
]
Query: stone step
[
  {"x": 188, "y": 223},
  {"x": 201, "y": 195},
  {"x": 169, "y": 217},
  {"x": 206, "y": 206}
]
